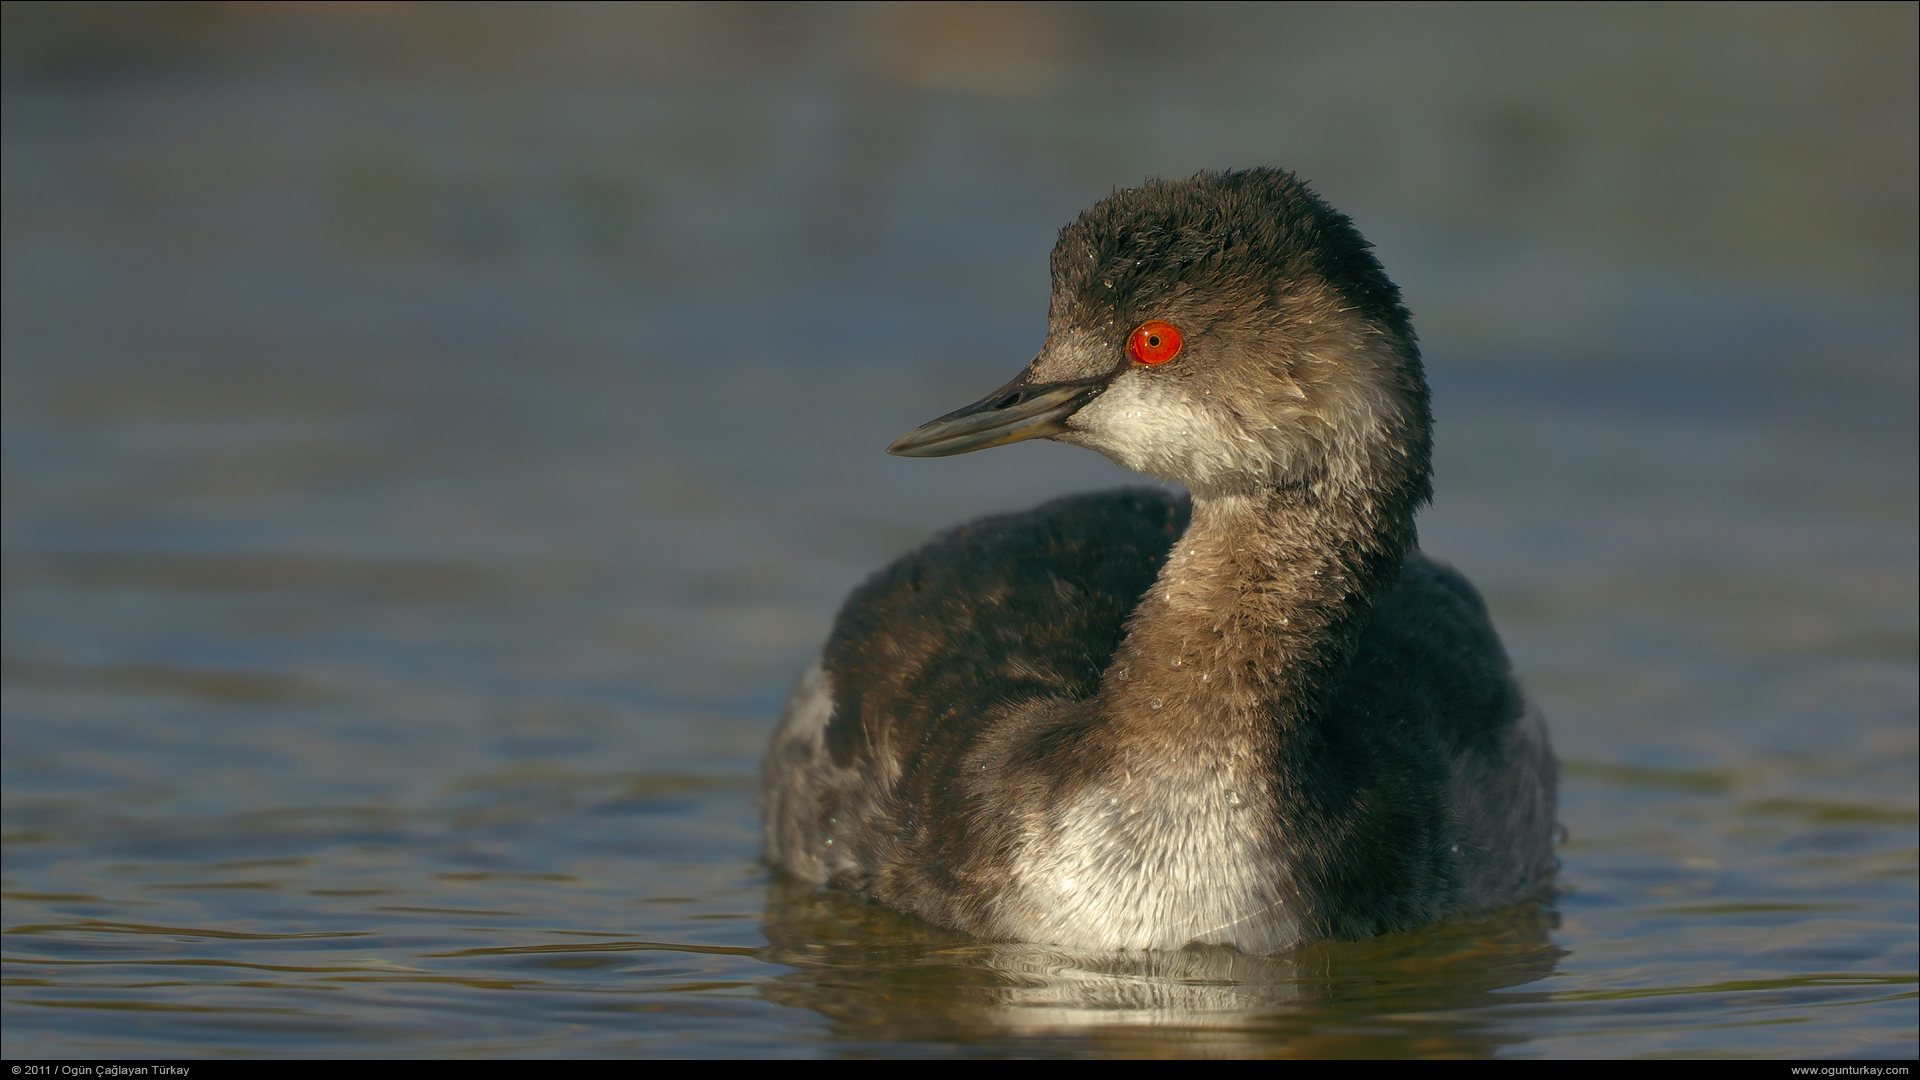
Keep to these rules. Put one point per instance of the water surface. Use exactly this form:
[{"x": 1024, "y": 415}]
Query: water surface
[{"x": 434, "y": 443}]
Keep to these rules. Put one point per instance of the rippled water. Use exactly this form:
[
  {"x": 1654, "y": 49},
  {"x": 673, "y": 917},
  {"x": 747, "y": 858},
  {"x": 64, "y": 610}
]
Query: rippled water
[{"x": 434, "y": 442}]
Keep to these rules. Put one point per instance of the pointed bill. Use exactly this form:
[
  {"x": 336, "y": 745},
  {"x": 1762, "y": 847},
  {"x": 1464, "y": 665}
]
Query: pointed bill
[{"x": 1017, "y": 411}]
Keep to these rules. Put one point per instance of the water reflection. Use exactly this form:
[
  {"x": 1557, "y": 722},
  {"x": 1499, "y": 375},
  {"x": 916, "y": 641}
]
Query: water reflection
[{"x": 883, "y": 976}]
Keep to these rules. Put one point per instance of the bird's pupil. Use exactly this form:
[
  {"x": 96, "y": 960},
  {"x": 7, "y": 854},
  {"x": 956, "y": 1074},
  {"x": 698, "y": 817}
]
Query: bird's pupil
[{"x": 1154, "y": 340}]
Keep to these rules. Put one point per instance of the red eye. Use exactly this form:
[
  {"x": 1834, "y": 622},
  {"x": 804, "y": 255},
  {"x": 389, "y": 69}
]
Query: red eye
[{"x": 1155, "y": 342}]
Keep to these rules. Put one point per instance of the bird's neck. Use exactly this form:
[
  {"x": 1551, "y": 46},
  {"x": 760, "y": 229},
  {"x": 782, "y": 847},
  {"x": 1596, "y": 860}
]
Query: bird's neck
[{"x": 1252, "y": 622}]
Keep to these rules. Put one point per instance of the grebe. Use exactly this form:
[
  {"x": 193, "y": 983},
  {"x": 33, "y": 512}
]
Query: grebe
[{"x": 1252, "y": 717}]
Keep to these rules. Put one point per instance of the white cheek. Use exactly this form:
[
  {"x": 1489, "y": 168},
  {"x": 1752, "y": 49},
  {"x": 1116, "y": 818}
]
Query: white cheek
[{"x": 1148, "y": 426}]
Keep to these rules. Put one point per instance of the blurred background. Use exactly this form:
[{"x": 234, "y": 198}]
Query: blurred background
[{"x": 435, "y": 436}]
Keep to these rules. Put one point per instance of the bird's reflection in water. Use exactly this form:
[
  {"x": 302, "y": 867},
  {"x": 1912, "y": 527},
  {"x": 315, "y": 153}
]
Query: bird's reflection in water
[{"x": 881, "y": 975}]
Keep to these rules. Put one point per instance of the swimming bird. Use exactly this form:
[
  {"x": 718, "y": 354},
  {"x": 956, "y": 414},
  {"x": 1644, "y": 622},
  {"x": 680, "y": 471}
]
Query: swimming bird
[{"x": 1253, "y": 716}]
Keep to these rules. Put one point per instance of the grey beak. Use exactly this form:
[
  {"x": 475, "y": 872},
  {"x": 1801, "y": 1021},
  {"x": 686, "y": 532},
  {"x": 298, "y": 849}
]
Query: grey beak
[{"x": 1019, "y": 410}]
